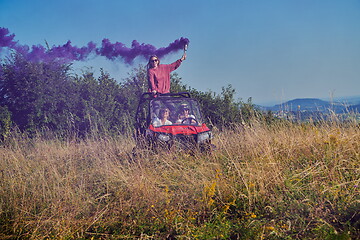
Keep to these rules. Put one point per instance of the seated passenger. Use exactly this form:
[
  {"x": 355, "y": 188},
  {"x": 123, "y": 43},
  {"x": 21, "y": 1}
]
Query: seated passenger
[
  {"x": 184, "y": 114},
  {"x": 163, "y": 118}
]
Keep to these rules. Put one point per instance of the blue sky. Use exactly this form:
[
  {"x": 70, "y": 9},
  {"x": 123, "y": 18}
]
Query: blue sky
[{"x": 272, "y": 51}]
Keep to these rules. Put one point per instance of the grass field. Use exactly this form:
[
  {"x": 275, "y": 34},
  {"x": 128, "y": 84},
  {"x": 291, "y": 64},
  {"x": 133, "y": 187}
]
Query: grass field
[{"x": 284, "y": 181}]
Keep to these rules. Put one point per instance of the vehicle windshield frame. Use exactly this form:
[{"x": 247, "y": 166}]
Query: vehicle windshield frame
[{"x": 176, "y": 107}]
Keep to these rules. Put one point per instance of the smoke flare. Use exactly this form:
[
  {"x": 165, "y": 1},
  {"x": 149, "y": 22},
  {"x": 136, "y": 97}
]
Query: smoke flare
[{"x": 69, "y": 53}]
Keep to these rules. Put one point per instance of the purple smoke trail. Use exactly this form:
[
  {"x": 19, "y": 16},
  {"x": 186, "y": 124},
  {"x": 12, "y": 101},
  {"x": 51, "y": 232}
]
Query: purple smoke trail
[
  {"x": 37, "y": 53},
  {"x": 115, "y": 50},
  {"x": 69, "y": 53}
]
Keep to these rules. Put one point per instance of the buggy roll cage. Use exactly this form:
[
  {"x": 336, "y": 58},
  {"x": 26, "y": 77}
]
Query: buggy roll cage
[{"x": 147, "y": 96}]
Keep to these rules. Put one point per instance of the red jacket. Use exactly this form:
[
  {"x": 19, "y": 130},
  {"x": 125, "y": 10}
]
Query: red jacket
[{"x": 159, "y": 78}]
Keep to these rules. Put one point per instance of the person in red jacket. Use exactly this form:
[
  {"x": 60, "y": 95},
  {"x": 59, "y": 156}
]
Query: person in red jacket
[{"x": 159, "y": 74}]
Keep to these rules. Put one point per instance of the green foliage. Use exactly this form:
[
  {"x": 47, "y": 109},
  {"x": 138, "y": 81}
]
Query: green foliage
[
  {"x": 222, "y": 110},
  {"x": 36, "y": 94},
  {"x": 100, "y": 105},
  {"x": 44, "y": 95},
  {"x": 176, "y": 85},
  {"x": 132, "y": 88}
]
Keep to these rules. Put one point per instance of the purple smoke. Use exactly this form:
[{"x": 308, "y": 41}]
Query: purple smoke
[{"x": 69, "y": 53}]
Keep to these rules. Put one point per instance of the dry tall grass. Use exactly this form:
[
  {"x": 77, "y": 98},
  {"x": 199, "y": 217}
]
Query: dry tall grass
[{"x": 285, "y": 181}]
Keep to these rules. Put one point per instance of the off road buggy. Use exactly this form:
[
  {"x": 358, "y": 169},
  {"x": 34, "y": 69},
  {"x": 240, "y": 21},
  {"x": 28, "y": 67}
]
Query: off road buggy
[{"x": 180, "y": 131}]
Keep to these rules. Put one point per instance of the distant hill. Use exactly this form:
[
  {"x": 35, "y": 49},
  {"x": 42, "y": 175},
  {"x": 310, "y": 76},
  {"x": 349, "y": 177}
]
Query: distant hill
[
  {"x": 306, "y": 104},
  {"x": 313, "y": 105},
  {"x": 311, "y": 108}
]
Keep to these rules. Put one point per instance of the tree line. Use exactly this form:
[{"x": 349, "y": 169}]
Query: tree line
[{"x": 49, "y": 96}]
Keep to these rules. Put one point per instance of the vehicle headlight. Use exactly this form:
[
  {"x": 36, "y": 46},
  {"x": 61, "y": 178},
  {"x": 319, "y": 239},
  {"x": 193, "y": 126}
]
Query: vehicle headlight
[
  {"x": 164, "y": 137},
  {"x": 204, "y": 136}
]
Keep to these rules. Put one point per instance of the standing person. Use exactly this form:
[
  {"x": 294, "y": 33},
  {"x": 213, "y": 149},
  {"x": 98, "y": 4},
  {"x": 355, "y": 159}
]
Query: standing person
[{"x": 159, "y": 74}]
